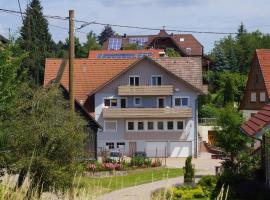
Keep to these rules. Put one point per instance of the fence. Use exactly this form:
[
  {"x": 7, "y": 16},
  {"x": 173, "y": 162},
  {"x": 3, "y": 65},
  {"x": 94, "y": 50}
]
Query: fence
[{"x": 207, "y": 121}]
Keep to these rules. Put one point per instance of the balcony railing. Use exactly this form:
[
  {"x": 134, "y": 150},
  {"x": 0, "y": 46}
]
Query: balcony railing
[
  {"x": 136, "y": 113},
  {"x": 145, "y": 90},
  {"x": 207, "y": 121}
]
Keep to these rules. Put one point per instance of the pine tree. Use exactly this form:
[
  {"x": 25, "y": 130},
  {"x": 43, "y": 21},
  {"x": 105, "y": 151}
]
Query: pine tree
[
  {"x": 36, "y": 39},
  {"x": 241, "y": 30},
  {"x": 221, "y": 62},
  {"x": 105, "y": 34}
]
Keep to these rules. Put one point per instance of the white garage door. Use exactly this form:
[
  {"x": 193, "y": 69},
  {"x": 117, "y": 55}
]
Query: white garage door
[
  {"x": 154, "y": 149},
  {"x": 180, "y": 149}
]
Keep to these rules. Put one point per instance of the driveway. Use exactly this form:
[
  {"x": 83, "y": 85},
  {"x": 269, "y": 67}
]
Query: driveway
[{"x": 143, "y": 192}]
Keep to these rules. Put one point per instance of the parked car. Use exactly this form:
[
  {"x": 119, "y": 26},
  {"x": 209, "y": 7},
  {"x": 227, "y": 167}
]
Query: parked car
[
  {"x": 139, "y": 154},
  {"x": 115, "y": 156}
]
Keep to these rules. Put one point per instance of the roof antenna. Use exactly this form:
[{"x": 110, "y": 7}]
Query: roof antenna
[{"x": 163, "y": 27}]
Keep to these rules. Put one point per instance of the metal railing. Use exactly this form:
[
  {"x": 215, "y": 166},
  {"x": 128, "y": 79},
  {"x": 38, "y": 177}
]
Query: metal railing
[{"x": 207, "y": 121}]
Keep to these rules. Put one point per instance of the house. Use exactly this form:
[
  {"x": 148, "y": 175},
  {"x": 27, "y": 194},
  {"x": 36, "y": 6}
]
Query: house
[
  {"x": 143, "y": 104},
  {"x": 257, "y": 91},
  {"x": 256, "y": 127},
  {"x": 3, "y": 41},
  {"x": 184, "y": 44},
  {"x": 119, "y": 54}
]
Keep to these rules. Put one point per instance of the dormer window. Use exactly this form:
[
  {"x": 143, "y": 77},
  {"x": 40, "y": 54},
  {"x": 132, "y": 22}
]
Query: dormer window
[
  {"x": 134, "y": 80},
  {"x": 182, "y": 39},
  {"x": 156, "y": 80},
  {"x": 188, "y": 50}
]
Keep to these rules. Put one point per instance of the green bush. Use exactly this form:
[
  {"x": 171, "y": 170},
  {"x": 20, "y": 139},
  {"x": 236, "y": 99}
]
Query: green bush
[
  {"x": 137, "y": 161},
  {"x": 208, "y": 184},
  {"x": 189, "y": 176}
]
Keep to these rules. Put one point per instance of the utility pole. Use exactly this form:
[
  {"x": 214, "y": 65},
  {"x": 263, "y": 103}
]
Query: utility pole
[{"x": 71, "y": 60}]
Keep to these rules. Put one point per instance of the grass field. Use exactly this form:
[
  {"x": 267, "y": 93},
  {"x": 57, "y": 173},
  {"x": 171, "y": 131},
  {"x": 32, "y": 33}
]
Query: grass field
[{"x": 136, "y": 177}]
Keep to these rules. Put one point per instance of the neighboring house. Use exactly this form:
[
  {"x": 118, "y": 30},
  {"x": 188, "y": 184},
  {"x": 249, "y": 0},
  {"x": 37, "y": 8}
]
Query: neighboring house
[
  {"x": 257, "y": 91},
  {"x": 256, "y": 128},
  {"x": 120, "y": 54},
  {"x": 3, "y": 41},
  {"x": 184, "y": 44},
  {"x": 143, "y": 104}
]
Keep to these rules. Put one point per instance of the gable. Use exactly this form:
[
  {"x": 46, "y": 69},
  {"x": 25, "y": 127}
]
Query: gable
[{"x": 145, "y": 69}]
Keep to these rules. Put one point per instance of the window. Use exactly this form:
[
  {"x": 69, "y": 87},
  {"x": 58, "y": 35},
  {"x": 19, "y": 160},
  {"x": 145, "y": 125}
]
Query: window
[
  {"x": 180, "y": 125},
  {"x": 110, "y": 126},
  {"x": 120, "y": 145},
  {"x": 150, "y": 125},
  {"x": 182, "y": 101},
  {"x": 262, "y": 96},
  {"x": 123, "y": 103},
  {"x": 140, "y": 126},
  {"x": 156, "y": 80},
  {"x": 137, "y": 101},
  {"x": 169, "y": 125},
  {"x": 188, "y": 50},
  {"x": 182, "y": 39},
  {"x": 160, "y": 102},
  {"x": 134, "y": 80},
  {"x": 130, "y": 126},
  {"x": 110, "y": 102},
  {"x": 160, "y": 125},
  {"x": 253, "y": 97},
  {"x": 110, "y": 145}
]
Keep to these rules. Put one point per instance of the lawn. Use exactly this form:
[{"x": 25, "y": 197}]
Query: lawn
[{"x": 136, "y": 177}]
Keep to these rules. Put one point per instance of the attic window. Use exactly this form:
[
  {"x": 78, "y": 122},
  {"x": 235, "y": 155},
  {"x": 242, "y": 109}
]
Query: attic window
[
  {"x": 188, "y": 50},
  {"x": 182, "y": 39}
]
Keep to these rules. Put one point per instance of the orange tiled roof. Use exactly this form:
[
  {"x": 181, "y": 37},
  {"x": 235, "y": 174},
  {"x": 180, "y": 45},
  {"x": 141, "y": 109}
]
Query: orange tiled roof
[
  {"x": 155, "y": 52},
  {"x": 88, "y": 73},
  {"x": 257, "y": 122},
  {"x": 263, "y": 56},
  {"x": 91, "y": 74}
]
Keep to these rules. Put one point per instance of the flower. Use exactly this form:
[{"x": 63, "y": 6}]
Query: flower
[{"x": 91, "y": 167}]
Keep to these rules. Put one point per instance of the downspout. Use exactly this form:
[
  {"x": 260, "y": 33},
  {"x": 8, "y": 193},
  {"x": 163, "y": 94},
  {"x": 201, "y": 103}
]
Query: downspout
[{"x": 196, "y": 129}]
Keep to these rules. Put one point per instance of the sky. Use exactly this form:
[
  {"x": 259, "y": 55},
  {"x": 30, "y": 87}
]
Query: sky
[{"x": 197, "y": 15}]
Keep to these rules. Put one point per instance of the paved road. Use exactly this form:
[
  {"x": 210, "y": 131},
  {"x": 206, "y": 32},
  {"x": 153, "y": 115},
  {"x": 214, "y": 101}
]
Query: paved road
[{"x": 143, "y": 192}]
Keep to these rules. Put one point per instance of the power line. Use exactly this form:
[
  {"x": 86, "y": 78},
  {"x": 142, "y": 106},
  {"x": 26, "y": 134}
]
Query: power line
[
  {"x": 20, "y": 9},
  {"x": 86, "y": 23}
]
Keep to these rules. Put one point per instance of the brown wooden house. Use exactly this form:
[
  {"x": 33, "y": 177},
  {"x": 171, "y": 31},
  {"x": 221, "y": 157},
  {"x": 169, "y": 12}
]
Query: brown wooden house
[{"x": 257, "y": 91}]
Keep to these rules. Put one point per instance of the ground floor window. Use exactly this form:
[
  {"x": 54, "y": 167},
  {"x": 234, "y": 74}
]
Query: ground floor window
[
  {"x": 180, "y": 125},
  {"x": 120, "y": 145},
  {"x": 110, "y": 145}
]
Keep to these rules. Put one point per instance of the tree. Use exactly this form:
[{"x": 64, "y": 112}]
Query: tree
[
  {"x": 43, "y": 138},
  {"x": 229, "y": 137},
  {"x": 170, "y": 52},
  {"x": 131, "y": 46},
  {"x": 241, "y": 30},
  {"x": 91, "y": 43},
  {"x": 36, "y": 39},
  {"x": 105, "y": 34}
]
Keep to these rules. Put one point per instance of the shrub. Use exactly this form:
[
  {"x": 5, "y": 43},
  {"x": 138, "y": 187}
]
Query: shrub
[
  {"x": 156, "y": 163},
  {"x": 189, "y": 171},
  {"x": 208, "y": 184},
  {"x": 137, "y": 161},
  {"x": 147, "y": 162}
]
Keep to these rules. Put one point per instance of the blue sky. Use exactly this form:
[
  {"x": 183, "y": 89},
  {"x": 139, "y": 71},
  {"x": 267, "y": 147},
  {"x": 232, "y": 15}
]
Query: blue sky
[{"x": 201, "y": 15}]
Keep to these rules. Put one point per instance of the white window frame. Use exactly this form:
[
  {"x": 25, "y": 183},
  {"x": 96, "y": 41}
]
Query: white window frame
[
  {"x": 146, "y": 125},
  {"x": 182, "y": 39},
  {"x": 117, "y": 102},
  {"x": 253, "y": 99},
  {"x": 109, "y": 145},
  {"x": 173, "y": 121},
  {"x": 163, "y": 99},
  {"x": 262, "y": 98},
  {"x": 120, "y": 102},
  {"x": 121, "y": 146},
  {"x": 181, "y": 97},
  {"x": 155, "y": 77},
  {"x": 164, "y": 125},
  {"x": 134, "y": 125},
  {"x": 134, "y": 80},
  {"x": 184, "y": 125},
  {"x": 134, "y": 101},
  {"x": 110, "y": 130},
  {"x": 137, "y": 124}
]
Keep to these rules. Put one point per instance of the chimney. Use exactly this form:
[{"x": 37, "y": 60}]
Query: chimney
[{"x": 125, "y": 35}]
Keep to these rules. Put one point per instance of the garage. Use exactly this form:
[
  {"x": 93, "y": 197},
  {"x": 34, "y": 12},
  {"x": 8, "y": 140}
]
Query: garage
[
  {"x": 154, "y": 149},
  {"x": 180, "y": 149}
]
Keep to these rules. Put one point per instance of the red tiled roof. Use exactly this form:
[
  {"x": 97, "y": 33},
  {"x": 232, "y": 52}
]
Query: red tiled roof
[
  {"x": 189, "y": 41},
  {"x": 263, "y": 56},
  {"x": 257, "y": 122},
  {"x": 92, "y": 74},
  {"x": 155, "y": 52},
  {"x": 88, "y": 73}
]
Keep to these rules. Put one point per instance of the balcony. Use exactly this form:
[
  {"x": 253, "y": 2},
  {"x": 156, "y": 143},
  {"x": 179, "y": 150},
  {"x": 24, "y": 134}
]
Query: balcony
[
  {"x": 146, "y": 113},
  {"x": 145, "y": 90}
]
